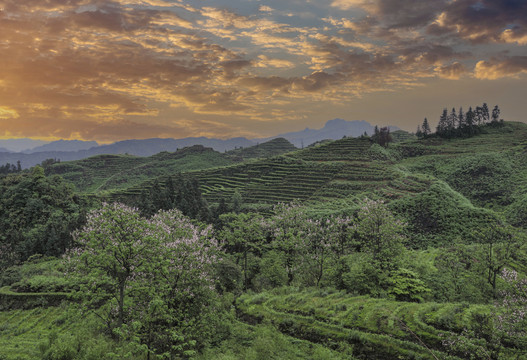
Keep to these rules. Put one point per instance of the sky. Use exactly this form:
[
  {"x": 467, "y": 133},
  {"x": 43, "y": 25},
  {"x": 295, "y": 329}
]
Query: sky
[{"x": 123, "y": 69}]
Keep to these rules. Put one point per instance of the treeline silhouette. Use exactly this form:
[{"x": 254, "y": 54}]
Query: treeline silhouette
[{"x": 462, "y": 124}]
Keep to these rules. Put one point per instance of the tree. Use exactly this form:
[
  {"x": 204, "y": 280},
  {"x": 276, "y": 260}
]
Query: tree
[
  {"x": 405, "y": 285},
  {"x": 240, "y": 235},
  {"x": 419, "y": 133},
  {"x": 322, "y": 244},
  {"x": 10, "y": 168},
  {"x": 511, "y": 321},
  {"x": 498, "y": 244},
  {"x": 461, "y": 123},
  {"x": 495, "y": 115},
  {"x": 149, "y": 279},
  {"x": 236, "y": 201},
  {"x": 426, "y": 128},
  {"x": 178, "y": 314},
  {"x": 452, "y": 122},
  {"x": 38, "y": 213},
  {"x": 380, "y": 233},
  {"x": 183, "y": 194},
  {"x": 287, "y": 230},
  {"x": 478, "y": 115},
  {"x": 485, "y": 113},
  {"x": 469, "y": 118},
  {"x": 221, "y": 209},
  {"x": 442, "y": 125},
  {"x": 382, "y": 136},
  {"x": 113, "y": 247},
  {"x": 454, "y": 281}
]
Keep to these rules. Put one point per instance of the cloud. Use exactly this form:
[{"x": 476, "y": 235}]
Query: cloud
[
  {"x": 452, "y": 71},
  {"x": 78, "y": 64},
  {"x": 350, "y": 4},
  {"x": 483, "y": 21},
  {"x": 266, "y": 62},
  {"x": 7, "y": 113},
  {"x": 514, "y": 36},
  {"x": 265, "y": 8},
  {"x": 500, "y": 68},
  {"x": 396, "y": 13}
]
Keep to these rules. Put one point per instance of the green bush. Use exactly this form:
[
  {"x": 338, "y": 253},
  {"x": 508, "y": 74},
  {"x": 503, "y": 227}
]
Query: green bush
[
  {"x": 440, "y": 216},
  {"x": 483, "y": 178},
  {"x": 272, "y": 271},
  {"x": 405, "y": 285},
  {"x": 359, "y": 275}
]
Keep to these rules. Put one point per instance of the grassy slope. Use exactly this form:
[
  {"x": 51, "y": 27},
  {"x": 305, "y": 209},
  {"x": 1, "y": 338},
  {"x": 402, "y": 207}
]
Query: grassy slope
[
  {"x": 270, "y": 148},
  {"x": 334, "y": 170},
  {"x": 375, "y": 328},
  {"x": 340, "y": 169},
  {"x": 113, "y": 172},
  {"x": 104, "y": 172},
  {"x": 457, "y": 181},
  {"x": 22, "y": 330},
  {"x": 331, "y": 178}
]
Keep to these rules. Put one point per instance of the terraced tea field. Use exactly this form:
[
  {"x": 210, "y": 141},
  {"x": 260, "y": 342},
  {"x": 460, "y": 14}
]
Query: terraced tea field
[
  {"x": 375, "y": 328},
  {"x": 110, "y": 172},
  {"x": 321, "y": 173},
  {"x": 22, "y": 330},
  {"x": 335, "y": 170}
]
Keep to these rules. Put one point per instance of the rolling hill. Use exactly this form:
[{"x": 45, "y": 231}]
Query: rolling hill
[
  {"x": 414, "y": 174},
  {"x": 445, "y": 190}
]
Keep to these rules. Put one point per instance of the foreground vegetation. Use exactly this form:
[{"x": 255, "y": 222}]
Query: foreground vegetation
[{"x": 346, "y": 249}]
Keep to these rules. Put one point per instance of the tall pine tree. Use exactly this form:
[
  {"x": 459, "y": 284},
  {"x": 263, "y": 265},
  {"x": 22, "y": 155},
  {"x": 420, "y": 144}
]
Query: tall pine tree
[
  {"x": 442, "y": 126},
  {"x": 426, "y": 127}
]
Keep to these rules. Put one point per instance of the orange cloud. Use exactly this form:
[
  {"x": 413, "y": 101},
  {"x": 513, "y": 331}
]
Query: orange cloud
[
  {"x": 88, "y": 67},
  {"x": 496, "y": 69},
  {"x": 452, "y": 71}
]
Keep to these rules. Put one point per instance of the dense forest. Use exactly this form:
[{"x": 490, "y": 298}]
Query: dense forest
[{"x": 388, "y": 246}]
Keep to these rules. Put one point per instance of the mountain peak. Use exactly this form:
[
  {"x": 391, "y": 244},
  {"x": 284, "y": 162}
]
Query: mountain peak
[
  {"x": 338, "y": 122},
  {"x": 335, "y": 122}
]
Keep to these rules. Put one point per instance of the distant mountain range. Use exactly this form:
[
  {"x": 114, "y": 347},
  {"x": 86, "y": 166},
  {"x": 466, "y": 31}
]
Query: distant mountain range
[
  {"x": 63, "y": 145},
  {"x": 333, "y": 129},
  {"x": 19, "y": 145},
  {"x": 145, "y": 147},
  {"x": 32, "y": 152}
]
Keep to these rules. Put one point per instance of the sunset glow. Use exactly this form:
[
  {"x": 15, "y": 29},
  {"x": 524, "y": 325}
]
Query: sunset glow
[{"x": 114, "y": 70}]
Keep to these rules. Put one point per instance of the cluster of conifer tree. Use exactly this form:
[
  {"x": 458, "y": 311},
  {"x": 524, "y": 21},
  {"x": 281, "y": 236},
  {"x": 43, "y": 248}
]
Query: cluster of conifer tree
[
  {"x": 10, "y": 168},
  {"x": 460, "y": 123},
  {"x": 382, "y": 136},
  {"x": 176, "y": 193},
  {"x": 184, "y": 194}
]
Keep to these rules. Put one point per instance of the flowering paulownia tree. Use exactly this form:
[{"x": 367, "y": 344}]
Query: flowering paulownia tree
[
  {"x": 148, "y": 279},
  {"x": 511, "y": 321}
]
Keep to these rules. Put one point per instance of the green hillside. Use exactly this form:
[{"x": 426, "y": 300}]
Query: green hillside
[
  {"x": 374, "y": 328},
  {"x": 270, "y": 148},
  {"x": 104, "y": 172},
  {"x": 413, "y": 251},
  {"x": 338, "y": 169},
  {"x": 351, "y": 166},
  {"x": 110, "y": 172}
]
